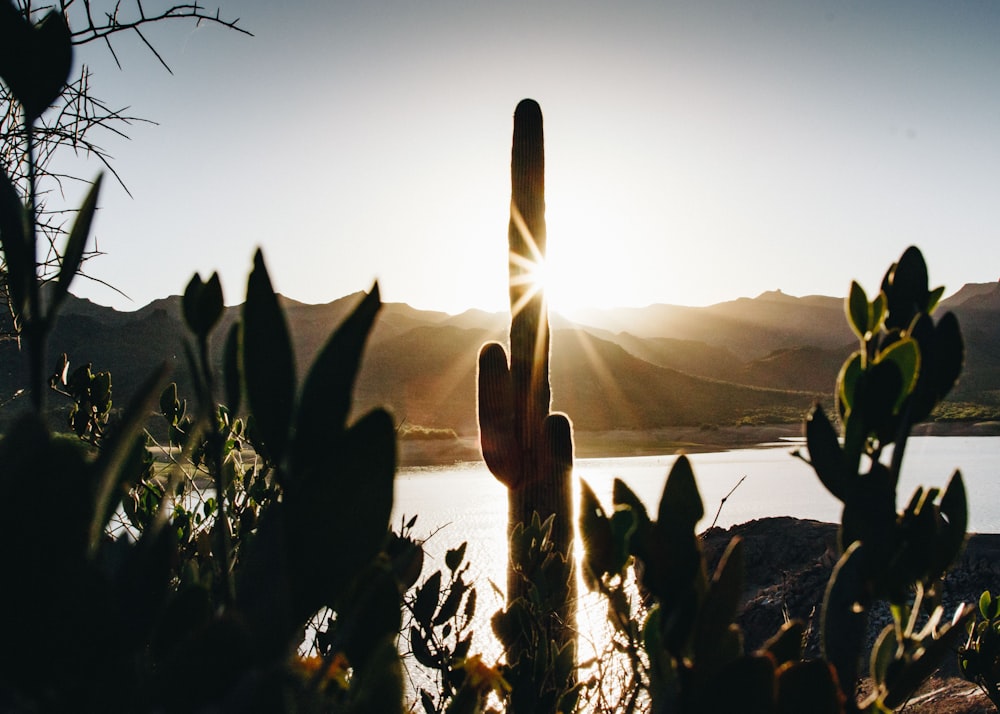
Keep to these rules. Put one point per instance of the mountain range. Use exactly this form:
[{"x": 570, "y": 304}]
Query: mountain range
[{"x": 752, "y": 360}]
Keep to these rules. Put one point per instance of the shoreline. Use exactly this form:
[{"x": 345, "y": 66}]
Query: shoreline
[{"x": 656, "y": 442}]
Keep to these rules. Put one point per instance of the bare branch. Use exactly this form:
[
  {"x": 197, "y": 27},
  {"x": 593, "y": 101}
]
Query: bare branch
[
  {"x": 78, "y": 119},
  {"x": 114, "y": 24}
]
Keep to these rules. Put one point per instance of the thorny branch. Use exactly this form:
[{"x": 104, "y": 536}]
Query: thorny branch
[{"x": 79, "y": 121}]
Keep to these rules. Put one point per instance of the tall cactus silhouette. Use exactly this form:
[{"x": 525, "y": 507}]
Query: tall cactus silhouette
[{"x": 527, "y": 448}]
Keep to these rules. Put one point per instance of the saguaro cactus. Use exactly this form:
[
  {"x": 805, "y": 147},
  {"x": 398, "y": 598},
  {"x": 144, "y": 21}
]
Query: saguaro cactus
[{"x": 527, "y": 448}]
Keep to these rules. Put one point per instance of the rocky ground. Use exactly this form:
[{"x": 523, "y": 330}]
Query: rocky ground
[{"x": 788, "y": 563}]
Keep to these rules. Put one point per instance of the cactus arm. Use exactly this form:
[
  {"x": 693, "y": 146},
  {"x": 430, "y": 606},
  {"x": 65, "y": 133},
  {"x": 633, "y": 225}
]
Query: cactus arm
[
  {"x": 552, "y": 491},
  {"x": 496, "y": 416}
]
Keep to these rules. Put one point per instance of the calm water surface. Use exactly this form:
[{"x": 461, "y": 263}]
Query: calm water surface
[{"x": 463, "y": 502}]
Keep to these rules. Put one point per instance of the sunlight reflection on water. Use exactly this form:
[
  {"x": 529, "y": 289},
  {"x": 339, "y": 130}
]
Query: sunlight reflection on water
[{"x": 463, "y": 502}]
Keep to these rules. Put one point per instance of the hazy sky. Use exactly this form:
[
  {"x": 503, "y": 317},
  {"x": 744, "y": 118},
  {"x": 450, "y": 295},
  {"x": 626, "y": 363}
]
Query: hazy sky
[{"x": 696, "y": 151}]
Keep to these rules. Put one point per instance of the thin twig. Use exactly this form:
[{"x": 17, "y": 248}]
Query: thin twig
[{"x": 725, "y": 498}]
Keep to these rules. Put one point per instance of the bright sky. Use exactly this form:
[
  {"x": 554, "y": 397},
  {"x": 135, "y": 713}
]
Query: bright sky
[{"x": 696, "y": 152}]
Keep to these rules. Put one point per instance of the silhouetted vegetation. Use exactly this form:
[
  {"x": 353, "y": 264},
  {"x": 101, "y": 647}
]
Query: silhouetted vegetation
[{"x": 256, "y": 569}]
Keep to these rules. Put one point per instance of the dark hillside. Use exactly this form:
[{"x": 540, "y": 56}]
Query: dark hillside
[
  {"x": 425, "y": 376},
  {"x": 737, "y": 362},
  {"x": 748, "y": 327},
  {"x": 691, "y": 356},
  {"x": 801, "y": 368},
  {"x": 603, "y": 387}
]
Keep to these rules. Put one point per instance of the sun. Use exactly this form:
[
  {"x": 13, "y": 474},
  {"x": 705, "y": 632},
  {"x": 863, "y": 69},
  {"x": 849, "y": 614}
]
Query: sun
[
  {"x": 531, "y": 275},
  {"x": 561, "y": 291}
]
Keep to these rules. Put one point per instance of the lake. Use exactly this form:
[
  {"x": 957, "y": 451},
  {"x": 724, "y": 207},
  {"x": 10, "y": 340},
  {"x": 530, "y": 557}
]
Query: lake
[{"x": 463, "y": 501}]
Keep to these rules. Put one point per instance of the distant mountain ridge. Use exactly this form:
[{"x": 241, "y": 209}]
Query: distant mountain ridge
[{"x": 740, "y": 361}]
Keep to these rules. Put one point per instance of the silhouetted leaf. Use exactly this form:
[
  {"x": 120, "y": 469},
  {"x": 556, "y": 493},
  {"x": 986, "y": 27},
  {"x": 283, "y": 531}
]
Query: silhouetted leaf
[
  {"x": 907, "y": 289},
  {"x": 453, "y": 556},
  {"x": 955, "y": 511},
  {"x": 595, "y": 532},
  {"x": 949, "y": 354},
  {"x": 34, "y": 60},
  {"x": 75, "y": 244},
  {"x": 427, "y": 599},
  {"x": 340, "y": 515},
  {"x": 268, "y": 362},
  {"x": 449, "y": 608},
  {"x": 844, "y": 615},
  {"x": 825, "y": 453},
  {"x": 680, "y": 504},
  {"x": 202, "y": 304},
  {"x": 325, "y": 397}
]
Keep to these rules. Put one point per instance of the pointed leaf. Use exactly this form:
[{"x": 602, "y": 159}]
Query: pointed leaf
[
  {"x": 325, "y": 397},
  {"x": 420, "y": 649},
  {"x": 638, "y": 540},
  {"x": 453, "y": 557},
  {"x": 907, "y": 291},
  {"x": 955, "y": 512},
  {"x": 623, "y": 495},
  {"x": 949, "y": 354},
  {"x": 268, "y": 362},
  {"x": 168, "y": 400},
  {"x": 680, "y": 504},
  {"x": 427, "y": 599},
  {"x": 857, "y": 309},
  {"x": 75, "y": 245},
  {"x": 825, "y": 454},
  {"x": 595, "y": 532}
]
